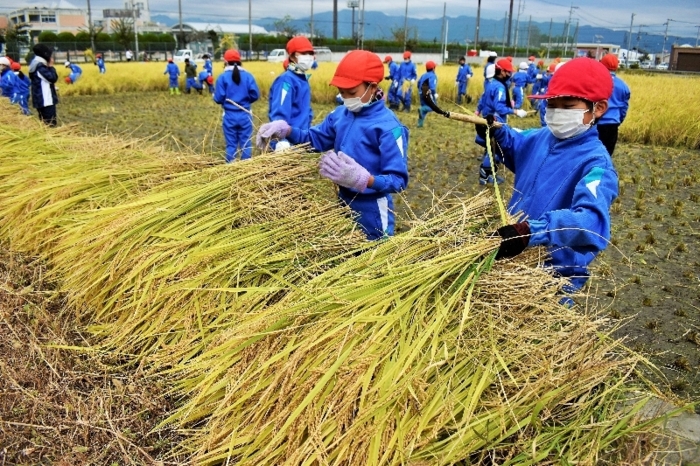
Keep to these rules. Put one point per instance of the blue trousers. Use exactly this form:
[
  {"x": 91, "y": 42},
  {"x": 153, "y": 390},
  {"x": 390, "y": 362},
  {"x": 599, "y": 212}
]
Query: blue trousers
[
  {"x": 23, "y": 102},
  {"x": 422, "y": 112},
  {"x": 238, "y": 130},
  {"x": 102, "y": 70},
  {"x": 518, "y": 96},
  {"x": 461, "y": 90},
  {"x": 407, "y": 98},
  {"x": 174, "y": 82},
  {"x": 394, "y": 96},
  {"x": 375, "y": 216},
  {"x": 74, "y": 77},
  {"x": 192, "y": 82}
]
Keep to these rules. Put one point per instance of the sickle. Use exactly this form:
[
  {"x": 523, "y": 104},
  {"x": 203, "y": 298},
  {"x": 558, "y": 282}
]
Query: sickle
[{"x": 428, "y": 98}]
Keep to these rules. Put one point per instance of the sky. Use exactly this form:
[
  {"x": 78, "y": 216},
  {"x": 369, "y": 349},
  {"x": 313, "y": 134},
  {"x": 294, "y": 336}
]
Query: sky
[{"x": 652, "y": 14}]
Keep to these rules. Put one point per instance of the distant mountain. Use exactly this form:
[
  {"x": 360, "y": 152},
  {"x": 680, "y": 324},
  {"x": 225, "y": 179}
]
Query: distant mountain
[{"x": 460, "y": 29}]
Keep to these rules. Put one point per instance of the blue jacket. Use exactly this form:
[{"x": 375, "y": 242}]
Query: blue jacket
[
  {"x": 22, "y": 85},
  {"x": 464, "y": 73},
  {"x": 207, "y": 66},
  {"x": 374, "y": 137},
  {"x": 494, "y": 101},
  {"x": 565, "y": 187},
  {"x": 407, "y": 71},
  {"x": 75, "y": 69},
  {"x": 519, "y": 79},
  {"x": 244, "y": 93},
  {"x": 100, "y": 63},
  {"x": 203, "y": 75},
  {"x": 290, "y": 100},
  {"x": 431, "y": 78},
  {"x": 43, "y": 79},
  {"x": 173, "y": 70},
  {"x": 532, "y": 72},
  {"x": 8, "y": 84},
  {"x": 394, "y": 72},
  {"x": 618, "y": 103}
]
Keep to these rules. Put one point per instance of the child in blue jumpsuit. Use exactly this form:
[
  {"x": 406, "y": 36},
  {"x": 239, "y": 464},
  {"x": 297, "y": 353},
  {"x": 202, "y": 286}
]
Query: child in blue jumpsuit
[
  {"x": 408, "y": 76},
  {"x": 618, "y": 104},
  {"x": 75, "y": 72},
  {"x": 43, "y": 77},
  {"x": 22, "y": 84},
  {"x": 290, "y": 93},
  {"x": 7, "y": 79},
  {"x": 495, "y": 102},
  {"x": 519, "y": 83},
  {"x": 366, "y": 144},
  {"x": 191, "y": 77},
  {"x": 173, "y": 72},
  {"x": 429, "y": 80},
  {"x": 394, "y": 78},
  {"x": 532, "y": 70},
  {"x": 237, "y": 85},
  {"x": 100, "y": 63},
  {"x": 565, "y": 181},
  {"x": 462, "y": 80}
]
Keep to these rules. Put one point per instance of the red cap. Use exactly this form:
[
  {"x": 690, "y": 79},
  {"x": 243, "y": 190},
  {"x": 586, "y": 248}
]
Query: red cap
[
  {"x": 430, "y": 65},
  {"x": 299, "y": 44},
  {"x": 68, "y": 80},
  {"x": 15, "y": 66},
  {"x": 388, "y": 58},
  {"x": 285, "y": 64},
  {"x": 540, "y": 63},
  {"x": 170, "y": 60},
  {"x": 610, "y": 61},
  {"x": 510, "y": 59},
  {"x": 531, "y": 58},
  {"x": 584, "y": 78},
  {"x": 504, "y": 64},
  {"x": 357, "y": 67},
  {"x": 406, "y": 54},
  {"x": 210, "y": 80},
  {"x": 232, "y": 55},
  {"x": 552, "y": 66}
]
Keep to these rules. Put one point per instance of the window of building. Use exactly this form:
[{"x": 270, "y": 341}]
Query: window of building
[
  {"x": 48, "y": 18},
  {"x": 34, "y": 18}
]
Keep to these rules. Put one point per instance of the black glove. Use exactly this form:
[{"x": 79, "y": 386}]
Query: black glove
[
  {"x": 388, "y": 78},
  {"x": 489, "y": 120},
  {"x": 514, "y": 239}
]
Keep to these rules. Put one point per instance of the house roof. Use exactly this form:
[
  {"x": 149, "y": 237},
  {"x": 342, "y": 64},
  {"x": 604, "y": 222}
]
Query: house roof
[{"x": 227, "y": 28}]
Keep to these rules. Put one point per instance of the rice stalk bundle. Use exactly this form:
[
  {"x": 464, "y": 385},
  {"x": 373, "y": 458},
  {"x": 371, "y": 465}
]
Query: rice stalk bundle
[
  {"x": 146, "y": 268},
  {"x": 47, "y": 174},
  {"x": 421, "y": 350}
]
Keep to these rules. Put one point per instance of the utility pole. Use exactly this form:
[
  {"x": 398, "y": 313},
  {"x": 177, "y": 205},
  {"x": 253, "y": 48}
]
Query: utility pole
[
  {"x": 92, "y": 30},
  {"x": 521, "y": 8},
  {"x": 698, "y": 36},
  {"x": 181, "y": 39},
  {"x": 629, "y": 42},
  {"x": 444, "y": 47},
  {"x": 443, "y": 33},
  {"x": 529, "y": 27},
  {"x": 663, "y": 48},
  {"x": 639, "y": 35},
  {"x": 575, "y": 42},
  {"x": 250, "y": 28},
  {"x": 505, "y": 29},
  {"x": 478, "y": 18},
  {"x": 311, "y": 24},
  {"x": 405, "y": 26},
  {"x": 362, "y": 37},
  {"x": 509, "y": 18},
  {"x": 136, "y": 33},
  {"x": 549, "y": 41},
  {"x": 568, "y": 25},
  {"x": 352, "y": 4},
  {"x": 335, "y": 19}
]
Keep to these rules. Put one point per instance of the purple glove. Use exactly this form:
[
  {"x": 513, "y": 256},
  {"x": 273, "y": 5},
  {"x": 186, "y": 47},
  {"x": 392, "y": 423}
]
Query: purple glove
[
  {"x": 344, "y": 171},
  {"x": 278, "y": 129}
]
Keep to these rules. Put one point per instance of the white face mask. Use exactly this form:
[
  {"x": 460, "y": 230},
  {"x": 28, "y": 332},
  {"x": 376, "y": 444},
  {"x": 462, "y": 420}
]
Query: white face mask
[
  {"x": 305, "y": 62},
  {"x": 355, "y": 104},
  {"x": 565, "y": 123}
]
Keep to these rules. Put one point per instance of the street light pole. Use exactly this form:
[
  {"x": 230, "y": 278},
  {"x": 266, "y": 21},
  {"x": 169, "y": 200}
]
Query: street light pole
[{"x": 629, "y": 42}]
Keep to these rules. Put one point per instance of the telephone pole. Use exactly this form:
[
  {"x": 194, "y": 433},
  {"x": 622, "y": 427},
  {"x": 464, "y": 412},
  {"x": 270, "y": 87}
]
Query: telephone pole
[
  {"x": 568, "y": 25},
  {"x": 529, "y": 26},
  {"x": 663, "y": 48},
  {"x": 629, "y": 42},
  {"x": 476, "y": 33},
  {"x": 136, "y": 33},
  {"x": 521, "y": 8},
  {"x": 335, "y": 19},
  {"x": 549, "y": 41},
  {"x": 311, "y": 25},
  {"x": 92, "y": 30},
  {"x": 509, "y": 19},
  {"x": 405, "y": 27}
]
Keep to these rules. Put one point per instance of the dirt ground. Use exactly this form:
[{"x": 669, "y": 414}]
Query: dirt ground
[{"x": 648, "y": 281}]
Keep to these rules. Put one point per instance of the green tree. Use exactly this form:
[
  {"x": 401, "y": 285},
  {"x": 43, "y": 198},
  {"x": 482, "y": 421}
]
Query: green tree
[
  {"x": 65, "y": 37},
  {"x": 123, "y": 32},
  {"x": 48, "y": 36},
  {"x": 214, "y": 38},
  {"x": 16, "y": 36},
  {"x": 285, "y": 26}
]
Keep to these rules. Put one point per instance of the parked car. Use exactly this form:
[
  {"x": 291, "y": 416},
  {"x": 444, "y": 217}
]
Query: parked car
[
  {"x": 645, "y": 65},
  {"x": 662, "y": 66},
  {"x": 277, "y": 55},
  {"x": 323, "y": 54}
]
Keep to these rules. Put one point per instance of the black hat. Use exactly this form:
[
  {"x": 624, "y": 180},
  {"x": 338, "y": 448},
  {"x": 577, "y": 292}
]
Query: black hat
[
  {"x": 43, "y": 51},
  {"x": 187, "y": 60}
]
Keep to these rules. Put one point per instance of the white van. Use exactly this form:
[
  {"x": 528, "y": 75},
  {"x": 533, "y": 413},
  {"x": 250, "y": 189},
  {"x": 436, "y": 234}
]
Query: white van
[
  {"x": 277, "y": 55},
  {"x": 323, "y": 54}
]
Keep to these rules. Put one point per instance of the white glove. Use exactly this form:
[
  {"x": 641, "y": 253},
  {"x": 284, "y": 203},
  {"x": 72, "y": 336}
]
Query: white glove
[
  {"x": 282, "y": 145},
  {"x": 471, "y": 75},
  {"x": 521, "y": 113},
  {"x": 435, "y": 97},
  {"x": 413, "y": 81},
  {"x": 539, "y": 76}
]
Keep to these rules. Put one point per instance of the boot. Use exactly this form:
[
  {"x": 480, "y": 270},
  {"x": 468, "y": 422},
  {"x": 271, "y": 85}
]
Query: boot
[
  {"x": 199, "y": 91},
  {"x": 177, "y": 91},
  {"x": 172, "y": 91}
]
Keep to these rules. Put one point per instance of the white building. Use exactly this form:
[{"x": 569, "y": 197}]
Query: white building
[{"x": 62, "y": 16}]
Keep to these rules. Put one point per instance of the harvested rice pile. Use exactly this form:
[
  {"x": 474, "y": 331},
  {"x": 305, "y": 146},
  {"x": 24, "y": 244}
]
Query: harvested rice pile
[{"x": 287, "y": 338}]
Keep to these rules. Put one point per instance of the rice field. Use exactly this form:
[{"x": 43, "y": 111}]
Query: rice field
[{"x": 279, "y": 336}]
